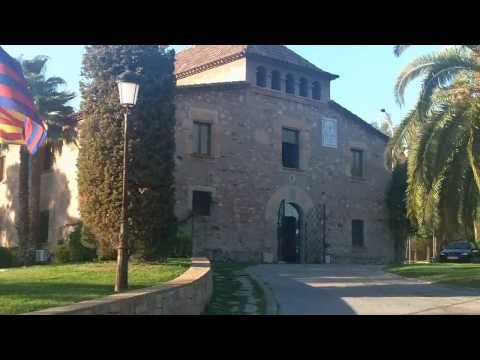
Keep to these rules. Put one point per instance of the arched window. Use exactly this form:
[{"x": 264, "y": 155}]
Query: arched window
[
  {"x": 276, "y": 80},
  {"x": 303, "y": 87},
  {"x": 316, "y": 90},
  {"x": 261, "y": 76},
  {"x": 290, "y": 84}
]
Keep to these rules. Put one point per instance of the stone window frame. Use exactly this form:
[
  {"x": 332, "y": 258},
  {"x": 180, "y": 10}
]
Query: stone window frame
[
  {"x": 360, "y": 149},
  {"x": 209, "y": 189},
  {"x": 203, "y": 115},
  {"x": 194, "y": 151},
  {"x": 299, "y": 143}
]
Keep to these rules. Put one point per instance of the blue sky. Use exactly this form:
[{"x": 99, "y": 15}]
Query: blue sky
[{"x": 367, "y": 72}]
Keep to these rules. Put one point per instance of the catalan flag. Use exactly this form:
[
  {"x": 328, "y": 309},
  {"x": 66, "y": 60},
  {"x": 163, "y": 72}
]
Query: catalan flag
[{"x": 19, "y": 119}]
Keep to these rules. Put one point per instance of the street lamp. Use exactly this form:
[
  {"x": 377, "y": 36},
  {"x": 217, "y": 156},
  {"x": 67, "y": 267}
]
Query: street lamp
[{"x": 128, "y": 91}]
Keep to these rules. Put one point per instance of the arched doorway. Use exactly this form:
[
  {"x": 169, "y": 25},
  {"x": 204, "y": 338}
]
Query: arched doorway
[{"x": 289, "y": 232}]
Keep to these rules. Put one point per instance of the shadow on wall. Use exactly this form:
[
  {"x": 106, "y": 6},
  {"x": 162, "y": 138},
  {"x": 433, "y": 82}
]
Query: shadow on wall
[
  {"x": 9, "y": 204},
  {"x": 56, "y": 199},
  {"x": 55, "y": 196}
]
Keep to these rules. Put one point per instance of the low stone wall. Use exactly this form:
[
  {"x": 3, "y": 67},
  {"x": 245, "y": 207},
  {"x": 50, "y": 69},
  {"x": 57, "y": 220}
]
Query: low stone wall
[{"x": 188, "y": 294}]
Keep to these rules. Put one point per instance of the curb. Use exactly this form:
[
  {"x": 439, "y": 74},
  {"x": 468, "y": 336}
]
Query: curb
[{"x": 272, "y": 307}]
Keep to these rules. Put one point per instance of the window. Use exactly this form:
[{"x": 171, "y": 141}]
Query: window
[
  {"x": 201, "y": 202},
  {"x": 261, "y": 76},
  {"x": 357, "y": 163},
  {"x": 303, "y": 87},
  {"x": 276, "y": 80},
  {"x": 290, "y": 148},
  {"x": 290, "y": 84},
  {"x": 2, "y": 168},
  {"x": 48, "y": 158},
  {"x": 357, "y": 233},
  {"x": 201, "y": 138},
  {"x": 329, "y": 132},
  {"x": 316, "y": 90}
]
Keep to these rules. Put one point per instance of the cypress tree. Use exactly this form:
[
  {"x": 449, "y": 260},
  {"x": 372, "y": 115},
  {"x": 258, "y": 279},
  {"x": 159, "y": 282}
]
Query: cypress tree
[{"x": 151, "y": 220}]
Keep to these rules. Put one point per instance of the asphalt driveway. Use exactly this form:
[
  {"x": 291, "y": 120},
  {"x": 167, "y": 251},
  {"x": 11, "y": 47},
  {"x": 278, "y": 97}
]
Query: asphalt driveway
[{"x": 359, "y": 289}]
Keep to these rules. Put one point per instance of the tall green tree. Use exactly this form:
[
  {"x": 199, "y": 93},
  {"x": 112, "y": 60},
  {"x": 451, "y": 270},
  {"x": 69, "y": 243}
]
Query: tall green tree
[
  {"x": 52, "y": 103},
  {"x": 150, "y": 213},
  {"x": 442, "y": 137}
]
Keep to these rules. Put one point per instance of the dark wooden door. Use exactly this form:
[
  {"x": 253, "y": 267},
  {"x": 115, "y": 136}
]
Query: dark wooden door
[{"x": 290, "y": 239}]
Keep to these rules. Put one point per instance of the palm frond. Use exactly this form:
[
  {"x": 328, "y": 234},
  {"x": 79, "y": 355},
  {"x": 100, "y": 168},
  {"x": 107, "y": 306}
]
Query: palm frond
[
  {"x": 399, "y": 49},
  {"x": 437, "y": 70}
]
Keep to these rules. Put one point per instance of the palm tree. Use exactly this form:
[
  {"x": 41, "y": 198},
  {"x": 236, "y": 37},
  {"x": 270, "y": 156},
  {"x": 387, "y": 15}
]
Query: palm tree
[
  {"x": 442, "y": 135},
  {"x": 51, "y": 102}
]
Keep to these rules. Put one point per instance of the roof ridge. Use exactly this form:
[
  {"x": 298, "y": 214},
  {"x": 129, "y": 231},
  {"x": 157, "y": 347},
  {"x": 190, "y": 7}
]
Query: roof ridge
[{"x": 363, "y": 122}]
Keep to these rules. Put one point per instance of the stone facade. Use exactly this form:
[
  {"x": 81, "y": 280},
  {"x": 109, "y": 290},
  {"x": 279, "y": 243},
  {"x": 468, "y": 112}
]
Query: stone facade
[
  {"x": 248, "y": 181},
  {"x": 244, "y": 171}
]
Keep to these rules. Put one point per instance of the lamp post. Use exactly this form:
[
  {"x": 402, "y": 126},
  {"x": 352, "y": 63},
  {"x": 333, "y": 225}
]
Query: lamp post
[{"x": 128, "y": 90}]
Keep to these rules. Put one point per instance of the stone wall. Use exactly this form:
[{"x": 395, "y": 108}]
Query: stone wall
[
  {"x": 188, "y": 294},
  {"x": 247, "y": 179}
]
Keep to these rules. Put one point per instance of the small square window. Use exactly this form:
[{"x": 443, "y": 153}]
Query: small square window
[
  {"x": 201, "y": 201},
  {"x": 202, "y": 138},
  {"x": 357, "y": 233}
]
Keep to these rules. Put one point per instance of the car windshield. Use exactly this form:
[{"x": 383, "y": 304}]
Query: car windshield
[{"x": 464, "y": 245}]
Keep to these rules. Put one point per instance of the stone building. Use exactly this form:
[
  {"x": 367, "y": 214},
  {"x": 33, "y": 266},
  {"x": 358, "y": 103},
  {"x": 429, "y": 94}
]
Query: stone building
[{"x": 271, "y": 168}]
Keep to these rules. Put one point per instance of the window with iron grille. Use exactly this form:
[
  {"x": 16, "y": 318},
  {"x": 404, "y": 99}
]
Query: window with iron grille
[
  {"x": 290, "y": 148},
  {"x": 2, "y": 168},
  {"x": 357, "y": 163},
  {"x": 202, "y": 138},
  {"x": 357, "y": 233},
  {"x": 201, "y": 201}
]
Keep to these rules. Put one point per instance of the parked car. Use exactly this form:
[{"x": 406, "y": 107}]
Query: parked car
[{"x": 464, "y": 251}]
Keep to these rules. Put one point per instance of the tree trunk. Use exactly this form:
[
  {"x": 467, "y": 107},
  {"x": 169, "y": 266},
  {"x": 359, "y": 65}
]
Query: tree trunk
[
  {"x": 22, "y": 216},
  {"x": 35, "y": 184}
]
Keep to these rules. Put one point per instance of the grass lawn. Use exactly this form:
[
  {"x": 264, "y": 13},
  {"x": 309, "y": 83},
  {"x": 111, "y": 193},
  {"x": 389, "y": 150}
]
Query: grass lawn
[
  {"x": 37, "y": 287},
  {"x": 229, "y": 296},
  {"x": 448, "y": 273}
]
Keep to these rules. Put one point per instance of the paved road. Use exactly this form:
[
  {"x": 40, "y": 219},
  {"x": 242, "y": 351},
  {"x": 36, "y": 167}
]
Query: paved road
[{"x": 360, "y": 289}]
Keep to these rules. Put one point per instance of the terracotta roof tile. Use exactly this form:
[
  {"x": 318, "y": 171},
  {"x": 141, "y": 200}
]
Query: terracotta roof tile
[{"x": 200, "y": 57}]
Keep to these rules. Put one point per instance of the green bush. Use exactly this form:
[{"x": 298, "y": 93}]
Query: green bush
[
  {"x": 74, "y": 250},
  {"x": 183, "y": 244},
  {"x": 79, "y": 252},
  {"x": 7, "y": 258},
  {"x": 62, "y": 254}
]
